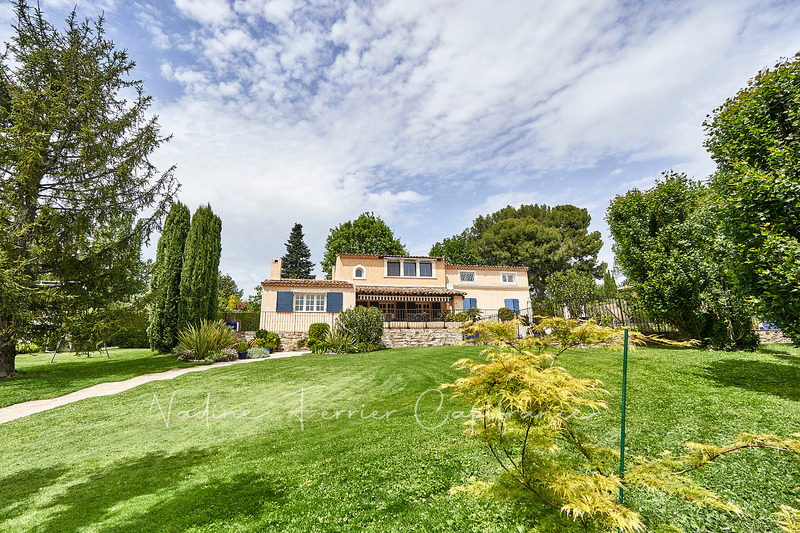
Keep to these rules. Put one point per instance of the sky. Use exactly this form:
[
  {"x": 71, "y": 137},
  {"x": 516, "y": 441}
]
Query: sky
[{"x": 427, "y": 113}]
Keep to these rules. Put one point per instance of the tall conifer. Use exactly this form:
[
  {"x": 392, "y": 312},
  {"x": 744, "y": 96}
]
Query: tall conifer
[
  {"x": 297, "y": 264},
  {"x": 198, "y": 294},
  {"x": 166, "y": 283}
]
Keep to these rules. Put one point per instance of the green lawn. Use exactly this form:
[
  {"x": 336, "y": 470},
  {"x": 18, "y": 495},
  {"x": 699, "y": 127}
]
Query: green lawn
[
  {"x": 128, "y": 463},
  {"x": 38, "y": 379}
]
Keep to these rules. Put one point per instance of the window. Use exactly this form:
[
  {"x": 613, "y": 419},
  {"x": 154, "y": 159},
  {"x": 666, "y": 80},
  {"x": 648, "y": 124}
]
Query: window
[
  {"x": 508, "y": 277},
  {"x": 426, "y": 270},
  {"x": 466, "y": 276},
  {"x": 393, "y": 268},
  {"x": 409, "y": 270},
  {"x": 309, "y": 303},
  {"x": 358, "y": 273}
]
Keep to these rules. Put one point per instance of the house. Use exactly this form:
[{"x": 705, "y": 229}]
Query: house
[{"x": 409, "y": 290}]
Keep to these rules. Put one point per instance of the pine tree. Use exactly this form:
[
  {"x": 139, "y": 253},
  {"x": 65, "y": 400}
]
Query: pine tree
[
  {"x": 166, "y": 283},
  {"x": 78, "y": 192},
  {"x": 198, "y": 294},
  {"x": 297, "y": 261},
  {"x": 609, "y": 285}
]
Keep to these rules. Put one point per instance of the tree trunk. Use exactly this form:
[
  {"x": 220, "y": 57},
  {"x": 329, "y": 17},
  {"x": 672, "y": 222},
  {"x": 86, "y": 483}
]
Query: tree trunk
[{"x": 8, "y": 349}]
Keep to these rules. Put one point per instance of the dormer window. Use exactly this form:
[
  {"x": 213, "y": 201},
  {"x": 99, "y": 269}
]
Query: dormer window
[
  {"x": 508, "y": 277},
  {"x": 409, "y": 268}
]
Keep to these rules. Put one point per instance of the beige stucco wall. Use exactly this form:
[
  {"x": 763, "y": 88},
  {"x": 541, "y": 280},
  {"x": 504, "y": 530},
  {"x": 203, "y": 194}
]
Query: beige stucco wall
[
  {"x": 488, "y": 288},
  {"x": 375, "y": 271},
  {"x": 272, "y": 321}
]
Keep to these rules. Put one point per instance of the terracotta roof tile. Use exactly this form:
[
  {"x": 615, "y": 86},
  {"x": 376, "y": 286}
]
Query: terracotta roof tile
[
  {"x": 487, "y": 267},
  {"x": 375, "y": 256},
  {"x": 305, "y": 283}
]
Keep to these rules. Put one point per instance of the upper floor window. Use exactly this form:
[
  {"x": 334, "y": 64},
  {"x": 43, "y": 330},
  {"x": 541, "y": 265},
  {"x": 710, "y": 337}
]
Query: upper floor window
[
  {"x": 393, "y": 268},
  {"x": 426, "y": 270},
  {"x": 309, "y": 302},
  {"x": 466, "y": 276},
  {"x": 358, "y": 273},
  {"x": 508, "y": 277},
  {"x": 409, "y": 269}
]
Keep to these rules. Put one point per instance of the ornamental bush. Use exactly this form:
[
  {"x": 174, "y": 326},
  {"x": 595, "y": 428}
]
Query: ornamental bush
[
  {"x": 362, "y": 324},
  {"x": 207, "y": 340},
  {"x": 505, "y": 314},
  {"x": 318, "y": 331}
]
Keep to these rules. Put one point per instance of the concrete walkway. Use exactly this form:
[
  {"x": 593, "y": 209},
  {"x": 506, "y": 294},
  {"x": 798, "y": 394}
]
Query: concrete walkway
[{"x": 19, "y": 410}]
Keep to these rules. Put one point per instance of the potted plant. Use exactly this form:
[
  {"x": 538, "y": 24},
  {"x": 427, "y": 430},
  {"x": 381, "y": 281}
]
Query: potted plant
[
  {"x": 267, "y": 339},
  {"x": 241, "y": 348}
]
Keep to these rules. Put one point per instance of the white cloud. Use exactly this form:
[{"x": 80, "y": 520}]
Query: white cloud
[
  {"x": 317, "y": 111},
  {"x": 207, "y": 12}
]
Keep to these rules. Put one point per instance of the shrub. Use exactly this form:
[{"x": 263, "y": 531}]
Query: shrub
[
  {"x": 363, "y": 324},
  {"x": 225, "y": 354},
  {"x": 257, "y": 353},
  {"x": 207, "y": 338},
  {"x": 130, "y": 329},
  {"x": 468, "y": 315},
  {"x": 505, "y": 314},
  {"x": 318, "y": 330},
  {"x": 268, "y": 339},
  {"x": 339, "y": 341},
  {"x": 27, "y": 347},
  {"x": 318, "y": 346}
]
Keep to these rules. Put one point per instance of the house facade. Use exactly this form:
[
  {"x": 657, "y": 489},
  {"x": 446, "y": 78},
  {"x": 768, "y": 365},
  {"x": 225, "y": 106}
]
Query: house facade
[{"x": 407, "y": 289}]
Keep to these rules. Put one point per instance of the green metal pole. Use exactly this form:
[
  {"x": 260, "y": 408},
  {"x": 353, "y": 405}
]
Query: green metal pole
[{"x": 622, "y": 439}]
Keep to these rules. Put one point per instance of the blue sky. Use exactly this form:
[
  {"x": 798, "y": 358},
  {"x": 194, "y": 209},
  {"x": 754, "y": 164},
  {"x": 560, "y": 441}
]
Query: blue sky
[{"x": 428, "y": 113}]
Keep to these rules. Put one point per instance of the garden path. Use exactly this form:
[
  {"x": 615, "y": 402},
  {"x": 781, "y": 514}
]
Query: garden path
[{"x": 19, "y": 410}]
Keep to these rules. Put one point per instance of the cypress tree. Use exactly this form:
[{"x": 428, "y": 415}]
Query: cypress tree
[
  {"x": 166, "y": 283},
  {"x": 198, "y": 293},
  {"x": 296, "y": 264}
]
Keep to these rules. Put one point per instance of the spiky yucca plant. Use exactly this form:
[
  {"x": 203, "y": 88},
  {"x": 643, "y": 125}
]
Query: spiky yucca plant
[{"x": 206, "y": 338}]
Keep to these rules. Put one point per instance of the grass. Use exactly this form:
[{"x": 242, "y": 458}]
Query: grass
[
  {"x": 38, "y": 379},
  {"x": 129, "y": 463}
]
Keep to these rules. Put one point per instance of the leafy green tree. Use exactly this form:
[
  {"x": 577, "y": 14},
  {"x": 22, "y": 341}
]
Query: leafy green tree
[
  {"x": 609, "y": 289},
  {"x": 297, "y": 264},
  {"x": 165, "y": 286},
  {"x": 754, "y": 138},
  {"x": 456, "y": 250},
  {"x": 667, "y": 244},
  {"x": 75, "y": 143},
  {"x": 367, "y": 234},
  {"x": 226, "y": 287},
  {"x": 254, "y": 302},
  {"x": 544, "y": 239},
  {"x": 199, "y": 292},
  {"x": 569, "y": 285}
]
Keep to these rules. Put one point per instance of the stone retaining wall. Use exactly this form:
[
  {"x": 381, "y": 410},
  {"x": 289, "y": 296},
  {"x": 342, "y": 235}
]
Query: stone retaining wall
[
  {"x": 399, "y": 338},
  {"x": 392, "y": 338},
  {"x": 773, "y": 336}
]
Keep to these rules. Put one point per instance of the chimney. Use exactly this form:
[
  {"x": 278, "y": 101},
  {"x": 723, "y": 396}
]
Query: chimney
[{"x": 275, "y": 269}]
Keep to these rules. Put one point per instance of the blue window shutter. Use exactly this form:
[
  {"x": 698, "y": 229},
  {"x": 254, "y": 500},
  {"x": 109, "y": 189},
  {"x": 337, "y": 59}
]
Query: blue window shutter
[
  {"x": 285, "y": 302},
  {"x": 513, "y": 304},
  {"x": 470, "y": 303},
  {"x": 334, "y": 302}
]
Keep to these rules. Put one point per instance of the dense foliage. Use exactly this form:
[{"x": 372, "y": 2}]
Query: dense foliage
[
  {"x": 165, "y": 286},
  {"x": 75, "y": 143},
  {"x": 226, "y": 287},
  {"x": 363, "y": 324},
  {"x": 544, "y": 239},
  {"x": 456, "y": 250},
  {"x": 754, "y": 138},
  {"x": 367, "y": 234},
  {"x": 667, "y": 244},
  {"x": 297, "y": 264},
  {"x": 198, "y": 300},
  {"x": 532, "y": 415}
]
